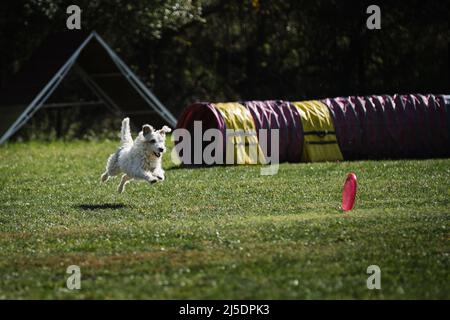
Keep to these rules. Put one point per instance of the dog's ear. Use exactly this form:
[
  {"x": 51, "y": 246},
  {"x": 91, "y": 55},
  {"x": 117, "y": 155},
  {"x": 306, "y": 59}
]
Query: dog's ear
[
  {"x": 146, "y": 129},
  {"x": 165, "y": 130}
]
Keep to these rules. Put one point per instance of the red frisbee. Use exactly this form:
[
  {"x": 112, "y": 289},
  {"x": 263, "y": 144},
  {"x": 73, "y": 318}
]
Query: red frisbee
[{"x": 349, "y": 192}]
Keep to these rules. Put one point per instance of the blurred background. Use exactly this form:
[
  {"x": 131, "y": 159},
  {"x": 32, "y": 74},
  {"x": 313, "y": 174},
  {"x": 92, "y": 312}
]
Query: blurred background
[{"x": 231, "y": 50}]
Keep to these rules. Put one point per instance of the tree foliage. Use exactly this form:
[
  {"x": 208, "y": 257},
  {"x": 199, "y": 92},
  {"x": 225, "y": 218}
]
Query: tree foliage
[{"x": 251, "y": 49}]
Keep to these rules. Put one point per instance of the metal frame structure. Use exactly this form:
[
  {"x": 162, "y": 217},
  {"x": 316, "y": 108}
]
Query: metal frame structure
[{"x": 51, "y": 86}]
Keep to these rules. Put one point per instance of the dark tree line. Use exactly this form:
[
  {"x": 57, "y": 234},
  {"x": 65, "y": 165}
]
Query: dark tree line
[{"x": 223, "y": 50}]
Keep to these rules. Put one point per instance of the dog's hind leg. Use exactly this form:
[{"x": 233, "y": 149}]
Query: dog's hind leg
[
  {"x": 105, "y": 176},
  {"x": 123, "y": 183},
  {"x": 112, "y": 167}
]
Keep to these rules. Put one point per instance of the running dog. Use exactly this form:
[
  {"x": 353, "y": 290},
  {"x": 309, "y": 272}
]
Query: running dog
[{"x": 139, "y": 159}]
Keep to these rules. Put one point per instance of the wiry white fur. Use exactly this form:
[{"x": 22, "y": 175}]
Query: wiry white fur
[
  {"x": 125, "y": 133},
  {"x": 138, "y": 159}
]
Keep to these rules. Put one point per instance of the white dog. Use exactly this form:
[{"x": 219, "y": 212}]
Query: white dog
[{"x": 138, "y": 159}]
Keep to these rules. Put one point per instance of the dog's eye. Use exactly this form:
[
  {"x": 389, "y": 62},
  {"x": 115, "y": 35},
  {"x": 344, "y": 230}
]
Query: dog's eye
[{"x": 152, "y": 141}]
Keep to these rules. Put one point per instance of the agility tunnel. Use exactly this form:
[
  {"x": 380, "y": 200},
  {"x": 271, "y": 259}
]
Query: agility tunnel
[
  {"x": 333, "y": 129},
  {"x": 320, "y": 142},
  {"x": 233, "y": 149},
  {"x": 283, "y": 116}
]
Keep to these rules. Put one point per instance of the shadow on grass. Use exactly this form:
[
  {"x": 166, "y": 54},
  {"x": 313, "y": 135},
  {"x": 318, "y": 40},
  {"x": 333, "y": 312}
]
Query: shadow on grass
[{"x": 113, "y": 206}]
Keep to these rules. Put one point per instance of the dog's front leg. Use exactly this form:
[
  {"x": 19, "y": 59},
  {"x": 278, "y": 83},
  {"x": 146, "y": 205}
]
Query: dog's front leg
[
  {"x": 147, "y": 176},
  {"x": 123, "y": 182},
  {"x": 159, "y": 173}
]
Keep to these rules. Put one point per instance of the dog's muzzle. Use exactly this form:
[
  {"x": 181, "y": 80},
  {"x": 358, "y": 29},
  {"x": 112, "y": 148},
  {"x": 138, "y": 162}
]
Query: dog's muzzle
[{"x": 159, "y": 152}]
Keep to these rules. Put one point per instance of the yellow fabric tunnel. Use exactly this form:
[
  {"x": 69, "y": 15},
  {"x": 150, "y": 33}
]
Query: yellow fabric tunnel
[
  {"x": 320, "y": 143},
  {"x": 242, "y": 145}
]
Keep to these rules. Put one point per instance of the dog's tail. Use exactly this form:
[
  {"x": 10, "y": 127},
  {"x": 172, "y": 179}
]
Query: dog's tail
[{"x": 125, "y": 134}]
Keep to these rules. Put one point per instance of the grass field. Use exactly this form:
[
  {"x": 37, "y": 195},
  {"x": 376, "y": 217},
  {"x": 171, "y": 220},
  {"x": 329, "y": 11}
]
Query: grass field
[{"x": 223, "y": 232}]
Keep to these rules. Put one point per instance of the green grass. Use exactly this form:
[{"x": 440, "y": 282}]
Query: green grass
[{"x": 223, "y": 232}]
